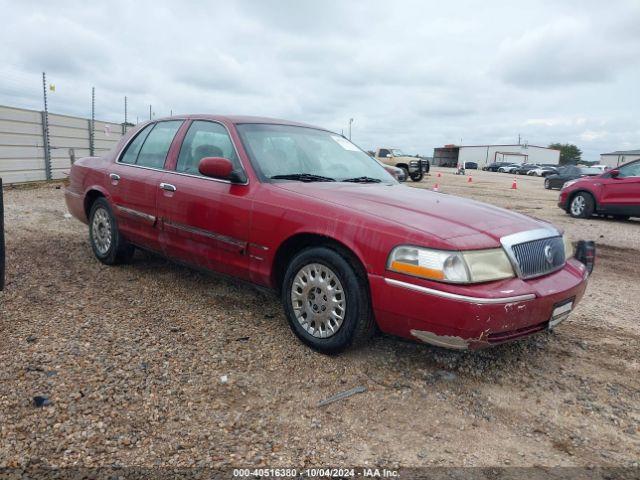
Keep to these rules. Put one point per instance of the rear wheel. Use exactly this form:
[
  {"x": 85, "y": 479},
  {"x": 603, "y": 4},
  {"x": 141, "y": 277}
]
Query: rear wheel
[
  {"x": 547, "y": 184},
  {"x": 417, "y": 176},
  {"x": 581, "y": 205},
  {"x": 106, "y": 242},
  {"x": 326, "y": 302}
]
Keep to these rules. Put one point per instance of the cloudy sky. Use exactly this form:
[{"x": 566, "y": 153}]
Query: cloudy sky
[{"x": 412, "y": 74}]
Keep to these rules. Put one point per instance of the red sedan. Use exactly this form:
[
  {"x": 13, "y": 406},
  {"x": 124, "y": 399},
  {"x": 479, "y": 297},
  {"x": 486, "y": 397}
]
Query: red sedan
[
  {"x": 615, "y": 192},
  {"x": 305, "y": 212}
]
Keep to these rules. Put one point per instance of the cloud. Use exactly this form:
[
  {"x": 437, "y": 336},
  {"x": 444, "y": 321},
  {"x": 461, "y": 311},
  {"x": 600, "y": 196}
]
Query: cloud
[{"x": 417, "y": 75}]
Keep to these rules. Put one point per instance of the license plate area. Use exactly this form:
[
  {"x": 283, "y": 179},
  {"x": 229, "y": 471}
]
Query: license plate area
[{"x": 560, "y": 312}]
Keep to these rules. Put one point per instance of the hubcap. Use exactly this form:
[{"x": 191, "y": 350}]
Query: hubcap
[
  {"x": 101, "y": 230},
  {"x": 577, "y": 205},
  {"x": 318, "y": 300}
]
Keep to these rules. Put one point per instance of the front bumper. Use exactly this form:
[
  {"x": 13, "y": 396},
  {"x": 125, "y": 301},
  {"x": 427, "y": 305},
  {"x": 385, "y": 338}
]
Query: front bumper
[
  {"x": 562, "y": 200},
  {"x": 476, "y": 316}
]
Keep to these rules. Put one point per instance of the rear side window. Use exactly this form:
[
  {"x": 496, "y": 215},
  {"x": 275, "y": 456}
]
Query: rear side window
[
  {"x": 156, "y": 146},
  {"x": 133, "y": 149},
  {"x": 205, "y": 139}
]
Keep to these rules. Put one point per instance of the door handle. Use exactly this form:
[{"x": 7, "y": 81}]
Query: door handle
[
  {"x": 168, "y": 187},
  {"x": 114, "y": 176}
]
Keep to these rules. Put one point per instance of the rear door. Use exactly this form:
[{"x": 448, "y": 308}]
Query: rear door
[
  {"x": 134, "y": 180},
  {"x": 205, "y": 221},
  {"x": 621, "y": 195}
]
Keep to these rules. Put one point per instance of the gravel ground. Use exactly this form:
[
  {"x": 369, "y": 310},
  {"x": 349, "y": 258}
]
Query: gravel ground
[{"x": 153, "y": 364}]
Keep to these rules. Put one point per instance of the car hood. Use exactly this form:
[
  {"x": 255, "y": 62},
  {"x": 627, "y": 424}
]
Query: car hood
[{"x": 462, "y": 223}]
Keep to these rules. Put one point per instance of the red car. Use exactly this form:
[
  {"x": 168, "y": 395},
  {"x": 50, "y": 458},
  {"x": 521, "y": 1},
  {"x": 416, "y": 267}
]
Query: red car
[
  {"x": 305, "y": 212},
  {"x": 615, "y": 192}
]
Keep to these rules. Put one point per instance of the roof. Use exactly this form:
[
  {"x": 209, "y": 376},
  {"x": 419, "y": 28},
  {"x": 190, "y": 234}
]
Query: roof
[
  {"x": 239, "y": 119},
  {"x": 623, "y": 152},
  {"x": 498, "y": 145}
]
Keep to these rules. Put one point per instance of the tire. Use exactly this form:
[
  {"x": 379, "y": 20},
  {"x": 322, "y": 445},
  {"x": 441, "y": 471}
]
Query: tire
[
  {"x": 581, "y": 205},
  {"x": 406, "y": 173},
  {"x": 547, "y": 184},
  {"x": 106, "y": 242},
  {"x": 306, "y": 318},
  {"x": 417, "y": 176}
]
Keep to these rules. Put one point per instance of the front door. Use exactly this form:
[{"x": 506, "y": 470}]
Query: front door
[
  {"x": 621, "y": 195},
  {"x": 205, "y": 221},
  {"x": 134, "y": 179}
]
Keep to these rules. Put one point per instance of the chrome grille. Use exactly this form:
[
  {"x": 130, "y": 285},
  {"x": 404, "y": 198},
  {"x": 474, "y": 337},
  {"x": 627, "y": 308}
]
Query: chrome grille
[{"x": 539, "y": 257}]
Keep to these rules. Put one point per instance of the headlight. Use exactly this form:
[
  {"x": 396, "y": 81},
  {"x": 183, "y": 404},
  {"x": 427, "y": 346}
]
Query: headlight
[
  {"x": 568, "y": 247},
  {"x": 568, "y": 184},
  {"x": 454, "y": 267}
]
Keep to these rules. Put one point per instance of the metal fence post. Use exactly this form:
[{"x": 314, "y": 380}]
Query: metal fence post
[
  {"x": 45, "y": 130},
  {"x": 92, "y": 123},
  {"x": 2, "y": 253}
]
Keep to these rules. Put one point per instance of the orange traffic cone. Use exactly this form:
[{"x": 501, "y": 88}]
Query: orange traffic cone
[
  {"x": 514, "y": 185},
  {"x": 470, "y": 179},
  {"x": 436, "y": 188}
]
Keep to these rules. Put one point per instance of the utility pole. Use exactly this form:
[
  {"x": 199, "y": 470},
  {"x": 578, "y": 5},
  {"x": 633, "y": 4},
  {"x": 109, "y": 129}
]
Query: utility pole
[
  {"x": 350, "y": 122},
  {"x": 45, "y": 129},
  {"x": 92, "y": 123},
  {"x": 125, "y": 109},
  {"x": 519, "y": 139}
]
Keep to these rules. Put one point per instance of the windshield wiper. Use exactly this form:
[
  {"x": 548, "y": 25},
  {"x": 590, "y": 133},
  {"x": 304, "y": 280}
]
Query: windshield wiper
[
  {"x": 362, "y": 180},
  {"x": 304, "y": 177}
]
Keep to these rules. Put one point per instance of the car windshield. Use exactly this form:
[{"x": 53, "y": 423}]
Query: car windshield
[
  {"x": 286, "y": 152},
  {"x": 398, "y": 153}
]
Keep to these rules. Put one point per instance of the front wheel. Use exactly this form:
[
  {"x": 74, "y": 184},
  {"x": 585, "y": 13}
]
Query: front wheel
[
  {"x": 417, "y": 176},
  {"x": 326, "y": 302},
  {"x": 106, "y": 242},
  {"x": 582, "y": 205},
  {"x": 547, "y": 184}
]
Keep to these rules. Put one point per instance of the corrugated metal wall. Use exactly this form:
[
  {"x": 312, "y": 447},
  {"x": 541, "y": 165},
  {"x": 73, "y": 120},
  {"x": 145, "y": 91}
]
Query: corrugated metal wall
[{"x": 22, "y": 140}]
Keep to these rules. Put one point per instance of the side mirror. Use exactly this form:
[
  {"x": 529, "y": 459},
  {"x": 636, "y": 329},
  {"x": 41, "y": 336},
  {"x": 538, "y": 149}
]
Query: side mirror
[
  {"x": 222, "y": 168},
  {"x": 388, "y": 155},
  {"x": 614, "y": 173}
]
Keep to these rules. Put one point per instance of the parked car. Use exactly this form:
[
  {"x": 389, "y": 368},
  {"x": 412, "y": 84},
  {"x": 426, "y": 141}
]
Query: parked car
[
  {"x": 493, "y": 167},
  {"x": 510, "y": 168},
  {"x": 306, "y": 213},
  {"x": 567, "y": 173},
  {"x": 470, "y": 166},
  {"x": 525, "y": 168},
  {"x": 543, "y": 171},
  {"x": 412, "y": 166},
  {"x": 616, "y": 193}
]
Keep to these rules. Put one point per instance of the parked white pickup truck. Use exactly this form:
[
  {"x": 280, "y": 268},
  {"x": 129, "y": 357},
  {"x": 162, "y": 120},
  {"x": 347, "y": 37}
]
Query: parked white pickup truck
[{"x": 413, "y": 167}]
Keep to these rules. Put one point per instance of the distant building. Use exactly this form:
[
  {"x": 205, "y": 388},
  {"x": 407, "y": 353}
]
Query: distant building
[
  {"x": 453, "y": 155},
  {"x": 614, "y": 159}
]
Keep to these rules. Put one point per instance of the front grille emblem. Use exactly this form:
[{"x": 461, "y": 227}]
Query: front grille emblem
[{"x": 548, "y": 254}]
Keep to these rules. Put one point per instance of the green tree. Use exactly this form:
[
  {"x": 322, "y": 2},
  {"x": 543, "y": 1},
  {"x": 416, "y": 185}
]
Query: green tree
[{"x": 569, "y": 153}]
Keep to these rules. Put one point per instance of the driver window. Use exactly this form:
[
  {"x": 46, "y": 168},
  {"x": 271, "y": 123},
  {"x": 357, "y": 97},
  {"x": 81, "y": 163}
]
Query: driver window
[
  {"x": 631, "y": 170},
  {"x": 205, "y": 139}
]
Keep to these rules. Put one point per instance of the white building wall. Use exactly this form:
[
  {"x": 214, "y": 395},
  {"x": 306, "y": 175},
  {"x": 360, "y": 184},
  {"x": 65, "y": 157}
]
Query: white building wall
[
  {"x": 22, "y": 156},
  {"x": 484, "y": 155},
  {"x": 616, "y": 160}
]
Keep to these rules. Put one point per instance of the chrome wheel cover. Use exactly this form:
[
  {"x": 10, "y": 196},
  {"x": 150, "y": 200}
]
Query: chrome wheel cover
[
  {"x": 577, "y": 205},
  {"x": 101, "y": 231},
  {"x": 318, "y": 300}
]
